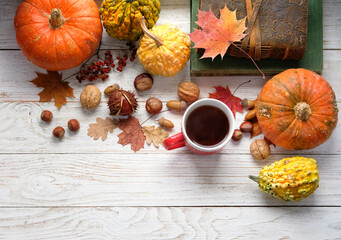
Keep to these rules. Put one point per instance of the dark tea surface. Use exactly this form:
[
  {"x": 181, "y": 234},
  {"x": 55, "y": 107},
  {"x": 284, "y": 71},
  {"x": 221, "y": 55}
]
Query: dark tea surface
[{"x": 207, "y": 125}]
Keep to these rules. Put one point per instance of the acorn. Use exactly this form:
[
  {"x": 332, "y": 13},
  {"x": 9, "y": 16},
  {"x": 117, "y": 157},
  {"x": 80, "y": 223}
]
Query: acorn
[{"x": 122, "y": 102}]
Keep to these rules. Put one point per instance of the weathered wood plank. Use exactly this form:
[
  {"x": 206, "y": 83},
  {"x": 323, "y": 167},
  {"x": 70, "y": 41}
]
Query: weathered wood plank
[
  {"x": 16, "y": 85},
  {"x": 170, "y": 223},
  {"x": 179, "y": 13},
  {"x": 22, "y": 131},
  {"x": 149, "y": 180}
]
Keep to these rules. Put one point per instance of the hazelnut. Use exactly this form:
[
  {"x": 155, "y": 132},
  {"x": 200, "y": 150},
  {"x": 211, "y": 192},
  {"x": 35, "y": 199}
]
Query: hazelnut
[
  {"x": 90, "y": 97},
  {"x": 153, "y": 105},
  {"x": 143, "y": 82},
  {"x": 260, "y": 149},
  {"x": 110, "y": 89},
  {"x": 46, "y": 116},
  {"x": 237, "y": 135},
  {"x": 73, "y": 125},
  {"x": 246, "y": 127},
  {"x": 188, "y": 91},
  {"x": 58, "y": 132}
]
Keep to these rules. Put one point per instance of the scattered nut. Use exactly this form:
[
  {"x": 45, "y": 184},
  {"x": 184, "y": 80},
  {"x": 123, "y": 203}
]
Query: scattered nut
[
  {"x": 165, "y": 123},
  {"x": 246, "y": 127},
  {"x": 260, "y": 149},
  {"x": 90, "y": 97},
  {"x": 237, "y": 135},
  {"x": 247, "y": 103},
  {"x": 176, "y": 105},
  {"x": 73, "y": 125},
  {"x": 110, "y": 89},
  {"x": 58, "y": 132},
  {"x": 143, "y": 82},
  {"x": 188, "y": 91},
  {"x": 46, "y": 116},
  {"x": 251, "y": 114},
  {"x": 153, "y": 105}
]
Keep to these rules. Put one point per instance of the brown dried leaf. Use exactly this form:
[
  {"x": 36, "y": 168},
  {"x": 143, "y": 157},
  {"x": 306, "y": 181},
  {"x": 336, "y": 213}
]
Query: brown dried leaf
[
  {"x": 102, "y": 128},
  {"x": 155, "y": 135},
  {"x": 132, "y": 133},
  {"x": 54, "y": 87}
]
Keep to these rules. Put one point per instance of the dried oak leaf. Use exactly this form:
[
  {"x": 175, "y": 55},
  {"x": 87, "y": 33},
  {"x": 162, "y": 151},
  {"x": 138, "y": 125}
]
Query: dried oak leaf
[
  {"x": 216, "y": 35},
  {"x": 54, "y": 87},
  {"x": 132, "y": 133},
  {"x": 155, "y": 135},
  {"x": 228, "y": 98},
  {"x": 102, "y": 128}
]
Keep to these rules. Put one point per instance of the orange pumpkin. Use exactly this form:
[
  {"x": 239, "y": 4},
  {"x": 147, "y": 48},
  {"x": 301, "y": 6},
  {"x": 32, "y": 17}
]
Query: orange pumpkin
[
  {"x": 58, "y": 35},
  {"x": 297, "y": 109}
]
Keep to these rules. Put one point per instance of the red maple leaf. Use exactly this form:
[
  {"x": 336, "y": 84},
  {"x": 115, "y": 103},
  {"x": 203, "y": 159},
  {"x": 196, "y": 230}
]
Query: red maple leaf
[
  {"x": 228, "y": 98},
  {"x": 132, "y": 133},
  {"x": 216, "y": 35}
]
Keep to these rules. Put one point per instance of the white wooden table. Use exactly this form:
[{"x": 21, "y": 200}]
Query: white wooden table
[{"x": 81, "y": 188}]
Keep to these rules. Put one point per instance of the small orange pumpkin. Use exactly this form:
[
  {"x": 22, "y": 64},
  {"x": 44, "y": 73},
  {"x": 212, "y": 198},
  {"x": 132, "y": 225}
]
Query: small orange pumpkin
[
  {"x": 58, "y": 35},
  {"x": 297, "y": 109}
]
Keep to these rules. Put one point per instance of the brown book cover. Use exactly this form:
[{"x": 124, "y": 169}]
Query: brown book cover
[
  {"x": 276, "y": 28},
  {"x": 293, "y": 35}
]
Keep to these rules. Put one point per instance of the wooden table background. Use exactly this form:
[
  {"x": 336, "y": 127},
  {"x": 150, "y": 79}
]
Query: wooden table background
[{"x": 81, "y": 188}]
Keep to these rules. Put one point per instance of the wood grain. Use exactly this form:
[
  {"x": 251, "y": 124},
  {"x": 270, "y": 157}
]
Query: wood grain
[
  {"x": 16, "y": 85},
  {"x": 149, "y": 180},
  {"x": 52, "y": 189},
  {"x": 170, "y": 223},
  {"x": 22, "y": 131}
]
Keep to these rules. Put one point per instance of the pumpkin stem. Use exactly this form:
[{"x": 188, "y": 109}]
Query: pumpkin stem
[
  {"x": 254, "y": 178},
  {"x": 302, "y": 111},
  {"x": 56, "y": 20},
  {"x": 148, "y": 33}
]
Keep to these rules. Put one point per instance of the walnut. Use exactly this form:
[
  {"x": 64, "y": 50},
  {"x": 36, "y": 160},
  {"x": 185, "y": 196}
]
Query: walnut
[
  {"x": 260, "y": 149},
  {"x": 90, "y": 97},
  {"x": 188, "y": 91}
]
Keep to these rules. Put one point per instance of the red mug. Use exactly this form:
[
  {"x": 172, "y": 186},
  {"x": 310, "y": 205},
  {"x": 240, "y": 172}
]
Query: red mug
[{"x": 181, "y": 139}]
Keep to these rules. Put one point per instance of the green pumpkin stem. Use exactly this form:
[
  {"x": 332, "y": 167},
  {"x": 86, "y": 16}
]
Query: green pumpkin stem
[
  {"x": 254, "y": 178},
  {"x": 157, "y": 41}
]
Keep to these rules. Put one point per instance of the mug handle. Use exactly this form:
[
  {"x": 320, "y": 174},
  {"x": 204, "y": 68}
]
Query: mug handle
[{"x": 175, "y": 141}]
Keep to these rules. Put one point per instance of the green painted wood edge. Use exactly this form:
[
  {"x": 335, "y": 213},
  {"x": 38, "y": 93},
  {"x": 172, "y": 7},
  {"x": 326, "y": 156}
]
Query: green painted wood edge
[{"x": 312, "y": 60}]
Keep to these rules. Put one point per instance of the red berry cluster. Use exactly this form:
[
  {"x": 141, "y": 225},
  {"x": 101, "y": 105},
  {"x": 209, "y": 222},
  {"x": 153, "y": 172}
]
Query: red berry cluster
[
  {"x": 96, "y": 70},
  {"x": 100, "y": 69}
]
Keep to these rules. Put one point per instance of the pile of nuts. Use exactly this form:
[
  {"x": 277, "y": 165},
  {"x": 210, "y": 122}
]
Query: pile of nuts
[
  {"x": 259, "y": 148},
  {"x": 58, "y": 132}
]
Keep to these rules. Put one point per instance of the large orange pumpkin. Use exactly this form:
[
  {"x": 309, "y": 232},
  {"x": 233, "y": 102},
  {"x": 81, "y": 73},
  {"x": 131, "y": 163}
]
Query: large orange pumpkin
[
  {"x": 297, "y": 109},
  {"x": 58, "y": 35}
]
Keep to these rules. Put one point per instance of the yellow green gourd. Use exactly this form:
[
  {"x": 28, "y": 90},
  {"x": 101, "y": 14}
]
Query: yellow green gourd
[
  {"x": 290, "y": 178},
  {"x": 121, "y": 18},
  {"x": 163, "y": 50}
]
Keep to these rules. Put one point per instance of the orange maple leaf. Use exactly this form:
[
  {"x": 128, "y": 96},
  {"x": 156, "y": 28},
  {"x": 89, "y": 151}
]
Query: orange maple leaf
[
  {"x": 132, "y": 133},
  {"x": 217, "y": 34},
  {"x": 54, "y": 87}
]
